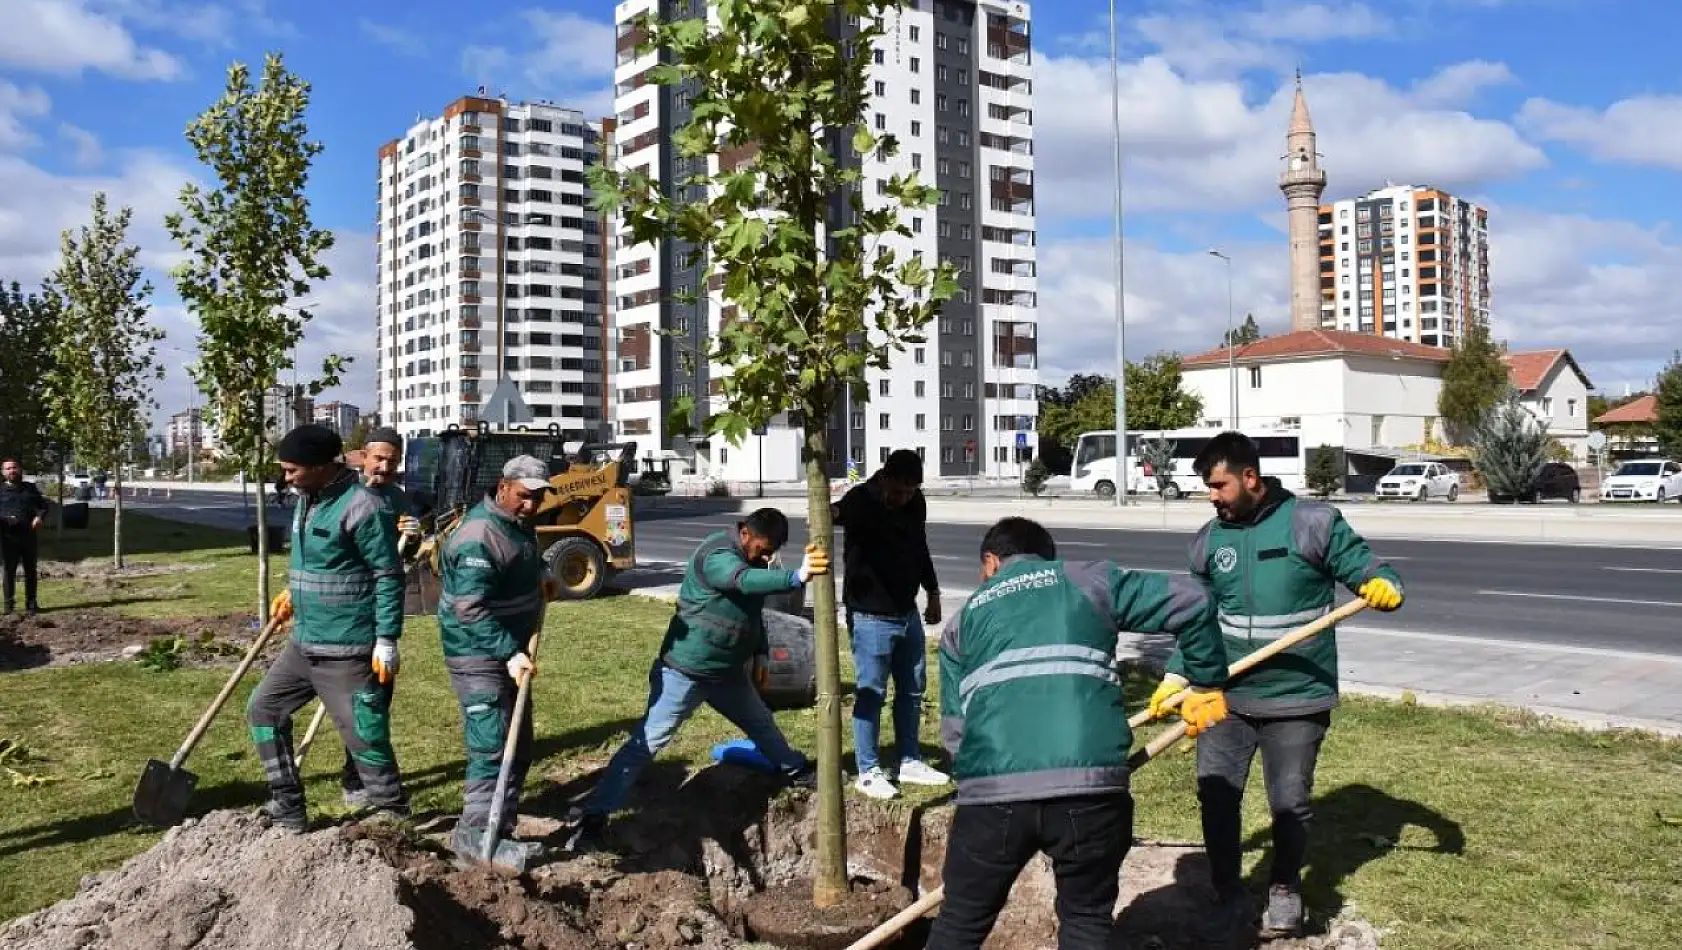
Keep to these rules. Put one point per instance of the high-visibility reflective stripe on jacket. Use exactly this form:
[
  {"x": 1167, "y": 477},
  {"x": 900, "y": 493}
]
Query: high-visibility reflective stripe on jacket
[
  {"x": 344, "y": 574},
  {"x": 1270, "y": 575},
  {"x": 492, "y": 599},
  {"x": 1030, "y": 689},
  {"x": 718, "y": 626}
]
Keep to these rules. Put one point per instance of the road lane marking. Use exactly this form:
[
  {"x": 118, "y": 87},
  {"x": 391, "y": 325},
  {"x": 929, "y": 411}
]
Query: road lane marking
[
  {"x": 1645, "y": 570},
  {"x": 1528, "y": 646},
  {"x": 1581, "y": 597}
]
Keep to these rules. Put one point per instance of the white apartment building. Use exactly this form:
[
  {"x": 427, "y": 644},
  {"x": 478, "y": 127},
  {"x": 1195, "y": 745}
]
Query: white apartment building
[
  {"x": 1404, "y": 262},
  {"x": 952, "y": 80},
  {"x": 490, "y": 264},
  {"x": 341, "y": 417}
]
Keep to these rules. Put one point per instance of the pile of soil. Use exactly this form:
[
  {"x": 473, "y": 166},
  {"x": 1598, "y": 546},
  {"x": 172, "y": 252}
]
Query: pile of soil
[
  {"x": 65, "y": 637},
  {"x": 100, "y": 569},
  {"x": 701, "y": 864}
]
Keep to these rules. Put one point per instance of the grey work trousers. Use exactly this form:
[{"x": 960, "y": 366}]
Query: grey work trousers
[{"x": 1290, "y": 748}]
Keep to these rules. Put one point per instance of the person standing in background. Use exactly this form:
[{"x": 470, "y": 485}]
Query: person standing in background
[{"x": 23, "y": 510}]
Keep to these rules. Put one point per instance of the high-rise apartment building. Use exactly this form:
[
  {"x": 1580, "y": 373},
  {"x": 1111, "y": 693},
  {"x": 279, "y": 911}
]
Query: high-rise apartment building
[
  {"x": 341, "y": 417},
  {"x": 952, "y": 80},
  {"x": 1404, "y": 262},
  {"x": 491, "y": 268}
]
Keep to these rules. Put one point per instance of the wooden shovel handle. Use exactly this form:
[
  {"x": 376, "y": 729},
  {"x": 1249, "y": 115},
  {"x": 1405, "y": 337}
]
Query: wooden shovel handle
[
  {"x": 487, "y": 848},
  {"x": 222, "y": 697},
  {"x": 1260, "y": 656}
]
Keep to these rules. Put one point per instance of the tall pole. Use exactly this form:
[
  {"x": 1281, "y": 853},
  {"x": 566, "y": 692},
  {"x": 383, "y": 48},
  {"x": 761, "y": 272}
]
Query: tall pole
[
  {"x": 1231, "y": 344},
  {"x": 1121, "y": 452}
]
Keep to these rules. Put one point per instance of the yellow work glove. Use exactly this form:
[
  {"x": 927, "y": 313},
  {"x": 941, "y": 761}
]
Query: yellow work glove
[
  {"x": 385, "y": 661},
  {"x": 1202, "y": 709},
  {"x": 1380, "y": 594},
  {"x": 409, "y": 526},
  {"x": 1170, "y": 686},
  {"x": 280, "y": 608},
  {"x": 816, "y": 562}
]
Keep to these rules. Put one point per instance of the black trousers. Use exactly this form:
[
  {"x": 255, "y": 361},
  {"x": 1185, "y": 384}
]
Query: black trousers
[
  {"x": 17, "y": 549},
  {"x": 1086, "y": 838},
  {"x": 1290, "y": 748}
]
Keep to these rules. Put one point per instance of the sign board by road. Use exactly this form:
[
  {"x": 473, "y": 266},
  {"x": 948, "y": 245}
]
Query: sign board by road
[
  {"x": 1021, "y": 440},
  {"x": 1597, "y": 440}
]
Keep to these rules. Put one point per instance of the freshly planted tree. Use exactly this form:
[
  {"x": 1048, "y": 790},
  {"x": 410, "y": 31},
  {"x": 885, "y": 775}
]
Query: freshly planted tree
[
  {"x": 104, "y": 357},
  {"x": 1159, "y": 455},
  {"x": 1323, "y": 476},
  {"x": 1034, "y": 479},
  {"x": 252, "y": 249},
  {"x": 1510, "y": 447},
  {"x": 822, "y": 299},
  {"x": 28, "y": 325}
]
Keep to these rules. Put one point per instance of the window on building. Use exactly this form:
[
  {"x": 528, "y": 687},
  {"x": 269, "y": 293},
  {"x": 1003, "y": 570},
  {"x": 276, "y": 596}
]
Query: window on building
[
  {"x": 881, "y": 88},
  {"x": 920, "y": 422},
  {"x": 883, "y": 420},
  {"x": 1255, "y": 377},
  {"x": 881, "y": 121},
  {"x": 881, "y": 387}
]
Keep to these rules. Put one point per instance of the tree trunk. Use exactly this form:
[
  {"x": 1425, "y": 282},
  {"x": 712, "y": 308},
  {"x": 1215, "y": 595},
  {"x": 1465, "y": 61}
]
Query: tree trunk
[
  {"x": 117, "y": 517},
  {"x": 262, "y": 541},
  {"x": 829, "y": 871}
]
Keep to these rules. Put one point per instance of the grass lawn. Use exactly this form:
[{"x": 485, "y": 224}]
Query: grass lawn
[{"x": 1462, "y": 829}]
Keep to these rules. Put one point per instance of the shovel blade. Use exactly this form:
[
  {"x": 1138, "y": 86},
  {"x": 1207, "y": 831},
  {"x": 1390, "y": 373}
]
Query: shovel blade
[{"x": 160, "y": 797}]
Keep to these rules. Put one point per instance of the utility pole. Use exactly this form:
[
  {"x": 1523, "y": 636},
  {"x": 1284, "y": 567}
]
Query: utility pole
[
  {"x": 1121, "y": 452},
  {"x": 1231, "y": 343}
]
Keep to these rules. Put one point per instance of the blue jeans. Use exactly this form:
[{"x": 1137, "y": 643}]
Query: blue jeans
[
  {"x": 672, "y": 699},
  {"x": 885, "y": 646}
]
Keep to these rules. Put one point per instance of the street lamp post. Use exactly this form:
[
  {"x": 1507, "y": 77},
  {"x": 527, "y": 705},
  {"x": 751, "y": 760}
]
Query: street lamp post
[
  {"x": 1121, "y": 452},
  {"x": 1231, "y": 342}
]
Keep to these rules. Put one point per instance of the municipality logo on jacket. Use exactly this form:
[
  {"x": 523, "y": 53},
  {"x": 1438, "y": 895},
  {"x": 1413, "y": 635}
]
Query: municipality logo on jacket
[{"x": 1225, "y": 560}]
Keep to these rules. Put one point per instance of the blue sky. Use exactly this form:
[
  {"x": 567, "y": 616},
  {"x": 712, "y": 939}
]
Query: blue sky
[{"x": 1563, "y": 117}]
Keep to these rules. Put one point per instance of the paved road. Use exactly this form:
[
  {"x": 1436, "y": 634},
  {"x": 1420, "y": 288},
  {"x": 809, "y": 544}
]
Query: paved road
[{"x": 1594, "y": 633}]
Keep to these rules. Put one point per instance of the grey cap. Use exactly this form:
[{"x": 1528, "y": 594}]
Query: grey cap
[{"x": 529, "y": 472}]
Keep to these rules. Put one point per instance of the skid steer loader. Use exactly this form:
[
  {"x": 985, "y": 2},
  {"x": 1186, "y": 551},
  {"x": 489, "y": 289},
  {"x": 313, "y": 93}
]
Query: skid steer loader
[{"x": 585, "y": 525}]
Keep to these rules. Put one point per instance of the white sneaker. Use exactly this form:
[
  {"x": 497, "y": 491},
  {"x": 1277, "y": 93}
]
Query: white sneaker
[
  {"x": 917, "y": 772},
  {"x": 876, "y": 784}
]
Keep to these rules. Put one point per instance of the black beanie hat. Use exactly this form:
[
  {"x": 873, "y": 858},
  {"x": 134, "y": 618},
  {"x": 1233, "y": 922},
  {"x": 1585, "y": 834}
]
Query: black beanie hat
[
  {"x": 387, "y": 435},
  {"x": 310, "y": 445}
]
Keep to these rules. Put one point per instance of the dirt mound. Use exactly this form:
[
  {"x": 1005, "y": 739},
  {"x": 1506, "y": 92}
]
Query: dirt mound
[
  {"x": 99, "y": 569},
  {"x": 702, "y": 863},
  {"x": 65, "y": 637}
]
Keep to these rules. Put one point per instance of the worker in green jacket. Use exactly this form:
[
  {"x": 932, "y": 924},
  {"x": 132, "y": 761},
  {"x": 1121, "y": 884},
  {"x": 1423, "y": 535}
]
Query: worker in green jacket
[
  {"x": 382, "y": 459},
  {"x": 345, "y": 597},
  {"x": 714, "y": 636},
  {"x": 1031, "y": 712},
  {"x": 494, "y": 589},
  {"x": 1272, "y": 562}
]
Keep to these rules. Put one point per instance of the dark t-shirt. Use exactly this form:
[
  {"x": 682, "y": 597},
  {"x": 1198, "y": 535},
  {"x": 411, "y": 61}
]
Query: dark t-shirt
[{"x": 885, "y": 553}]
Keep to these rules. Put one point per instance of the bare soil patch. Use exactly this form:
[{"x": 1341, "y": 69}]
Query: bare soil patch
[
  {"x": 716, "y": 860},
  {"x": 66, "y": 637}
]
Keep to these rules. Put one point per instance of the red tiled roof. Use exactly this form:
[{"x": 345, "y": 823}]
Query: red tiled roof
[
  {"x": 1530, "y": 368},
  {"x": 1642, "y": 410},
  {"x": 1320, "y": 343}
]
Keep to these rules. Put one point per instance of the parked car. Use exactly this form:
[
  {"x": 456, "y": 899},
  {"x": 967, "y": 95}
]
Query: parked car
[
  {"x": 1418, "y": 481},
  {"x": 1643, "y": 480},
  {"x": 1555, "y": 480}
]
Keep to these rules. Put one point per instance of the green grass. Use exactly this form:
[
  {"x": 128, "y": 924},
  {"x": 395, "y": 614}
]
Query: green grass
[{"x": 1463, "y": 829}]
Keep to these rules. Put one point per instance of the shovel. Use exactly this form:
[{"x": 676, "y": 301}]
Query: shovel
[
  {"x": 160, "y": 797},
  {"x": 1137, "y": 760},
  {"x": 309, "y": 735},
  {"x": 487, "y": 847}
]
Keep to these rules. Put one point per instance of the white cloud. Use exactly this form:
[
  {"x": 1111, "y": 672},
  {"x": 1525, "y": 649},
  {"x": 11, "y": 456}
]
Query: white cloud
[
  {"x": 17, "y": 106},
  {"x": 88, "y": 152},
  {"x": 1315, "y": 22},
  {"x": 404, "y": 41},
  {"x": 1200, "y": 144},
  {"x": 1644, "y": 130},
  {"x": 1222, "y": 40},
  {"x": 569, "y": 60},
  {"x": 1460, "y": 83},
  {"x": 210, "y": 23},
  {"x": 67, "y": 37}
]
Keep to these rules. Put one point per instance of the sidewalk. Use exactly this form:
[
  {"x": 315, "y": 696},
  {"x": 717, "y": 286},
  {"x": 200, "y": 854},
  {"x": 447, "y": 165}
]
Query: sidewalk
[{"x": 1590, "y": 687}]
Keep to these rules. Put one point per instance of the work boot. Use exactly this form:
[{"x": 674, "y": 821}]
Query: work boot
[
  {"x": 1233, "y": 912},
  {"x": 356, "y": 798},
  {"x": 293, "y": 818},
  {"x": 1284, "y": 913},
  {"x": 804, "y": 777},
  {"x": 590, "y": 835},
  {"x": 515, "y": 855}
]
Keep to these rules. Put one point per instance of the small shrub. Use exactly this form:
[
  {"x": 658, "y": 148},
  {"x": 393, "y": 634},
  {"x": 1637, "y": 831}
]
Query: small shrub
[{"x": 1034, "y": 479}]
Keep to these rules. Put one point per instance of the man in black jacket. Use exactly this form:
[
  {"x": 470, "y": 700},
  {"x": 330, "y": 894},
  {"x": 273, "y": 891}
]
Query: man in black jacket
[
  {"x": 22, "y": 510},
  {"x": 886, "y": 553}
]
